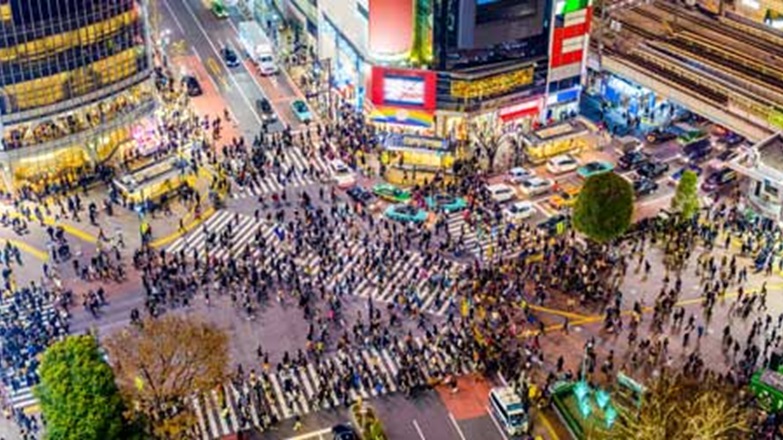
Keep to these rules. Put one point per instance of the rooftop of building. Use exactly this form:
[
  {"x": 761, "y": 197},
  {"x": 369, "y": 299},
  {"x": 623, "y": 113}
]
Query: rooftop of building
[{"x": 770, "y": 151}]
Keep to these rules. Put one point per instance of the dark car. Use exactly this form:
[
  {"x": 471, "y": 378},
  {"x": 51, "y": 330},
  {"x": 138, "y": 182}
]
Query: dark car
[
  {"x": 631, "y": 160},
  {"x": 719, "y": 179},
  {"x": 192, "y": 86},
  {"x": 700, "y": 144},
  {"x": 700, "y": 155},
  {"x": 230, "y": 56},
  {"x": 645, "y": 187},
  {"x": 361, "y": 195},
  {"x": 731, "y": 139},
  {"x": 265, "y": 109},
  {"x": 658, "y": 136},
  {"x": 652, "y": 170},
  {"x": 344, "y": 432},
  {"x": 727, "y": 155},
  {"x": 550, "y": 225}
]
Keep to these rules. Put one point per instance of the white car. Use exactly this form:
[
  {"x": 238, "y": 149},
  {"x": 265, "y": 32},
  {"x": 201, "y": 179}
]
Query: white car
[
  {"x": 535, "y": 186},
  {"x": 519, "y": 211},
  {"x": 342, "y": 174},
  {"x": 518, "y": 174},
  {"x": 562, "y": 164},
  {"x": 501, "y": 192}
]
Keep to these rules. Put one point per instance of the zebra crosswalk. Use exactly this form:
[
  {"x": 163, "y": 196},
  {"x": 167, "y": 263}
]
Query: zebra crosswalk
[
  {"x": 297, "y": 390},
  {"x": 303, "y": 171},
  {"x": 485, "y": 241}
]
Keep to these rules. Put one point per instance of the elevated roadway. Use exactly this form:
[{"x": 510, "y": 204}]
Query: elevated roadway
[{"x": 726, "y": 70}]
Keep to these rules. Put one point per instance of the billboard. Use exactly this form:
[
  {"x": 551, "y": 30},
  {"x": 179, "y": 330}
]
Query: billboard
[
  {"x": 407, "y": 88},
  {"x": 391, "y": 26}
]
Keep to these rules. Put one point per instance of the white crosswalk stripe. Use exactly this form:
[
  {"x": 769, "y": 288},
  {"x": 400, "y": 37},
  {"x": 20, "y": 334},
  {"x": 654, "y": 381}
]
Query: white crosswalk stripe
[
  {"x": 219, "y": 415},
  {"x": 478, "y": 241},
  {"x": 303, "y": 175}
]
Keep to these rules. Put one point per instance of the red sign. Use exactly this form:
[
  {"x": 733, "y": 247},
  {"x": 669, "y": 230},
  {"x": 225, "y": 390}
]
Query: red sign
[
  {"x": 405, "y": 88},
  {"x": 521, "y": 110}
]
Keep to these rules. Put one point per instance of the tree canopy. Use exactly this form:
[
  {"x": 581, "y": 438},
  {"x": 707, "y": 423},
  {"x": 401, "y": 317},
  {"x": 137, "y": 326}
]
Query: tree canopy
[
  {"x": 686, "y": 198},
  {"x": 604, "y": 207},
  {"x": 681, "y": 407},
  {"x": 77, "y": 393},
  {"x": 163, "y": 362}
]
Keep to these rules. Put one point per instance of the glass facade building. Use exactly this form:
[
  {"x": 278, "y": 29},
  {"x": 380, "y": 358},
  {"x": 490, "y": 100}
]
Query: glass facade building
[{"x": 74, "y": 75}]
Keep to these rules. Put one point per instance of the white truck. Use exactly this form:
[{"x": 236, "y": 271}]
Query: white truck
[{"x": 258, "y": 47}]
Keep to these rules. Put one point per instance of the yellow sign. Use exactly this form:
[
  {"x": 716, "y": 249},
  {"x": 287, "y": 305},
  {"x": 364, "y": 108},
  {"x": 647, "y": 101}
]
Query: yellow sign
[
  {"x": 492, "y": 85},
  {"x": 775, "y": 117}
]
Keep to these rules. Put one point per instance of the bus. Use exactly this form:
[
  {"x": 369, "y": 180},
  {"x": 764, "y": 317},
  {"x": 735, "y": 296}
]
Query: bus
[
  {"x": 767, "y": 386},
  {"x": 507, "y": 408}
]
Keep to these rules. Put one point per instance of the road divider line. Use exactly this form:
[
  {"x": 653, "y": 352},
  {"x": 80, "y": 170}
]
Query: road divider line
[
  {"x": 558, "y": 312},
  {"x": 418, "y": 430},
  {"x": 35, "y": 252},
  {"x": 456, "y": 426},
  {"x": 495, "y": 422}
]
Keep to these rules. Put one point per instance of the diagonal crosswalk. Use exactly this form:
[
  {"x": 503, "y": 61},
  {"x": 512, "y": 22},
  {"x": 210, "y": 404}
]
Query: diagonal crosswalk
[
  {"x": 297, "y": 390},
  {"x": 305, "y": 170}
]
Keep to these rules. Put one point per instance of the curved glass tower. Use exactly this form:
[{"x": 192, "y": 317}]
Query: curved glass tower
[{"x": 74, "y": 76}]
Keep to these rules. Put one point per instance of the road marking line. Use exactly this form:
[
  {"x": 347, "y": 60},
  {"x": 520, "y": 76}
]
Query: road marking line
[
  {"x": 558, "y": 312},
  {"x": 310, "y": 435},
  {"x": 548, "y": 425},
  {"x": 456, "y": 426},
  {"x": 35, "y": 252},
  {"x": 495, "y": 422},
  {"x": 189, "y": 227},
  {"x": 418, "y": 430}
]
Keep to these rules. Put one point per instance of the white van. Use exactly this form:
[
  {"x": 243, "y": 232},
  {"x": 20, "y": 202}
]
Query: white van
[
  {"x": 507, "y": 408},
  {"x": 501, "y": 192},
  {"x": 561, "y": 164}
]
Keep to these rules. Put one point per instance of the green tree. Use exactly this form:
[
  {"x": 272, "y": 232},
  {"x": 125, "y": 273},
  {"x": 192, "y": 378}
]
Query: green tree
[
  {"x": 686, "y": 199},
  {"x": 604, "y": 207},
  {"x": 77, "y": 393}
]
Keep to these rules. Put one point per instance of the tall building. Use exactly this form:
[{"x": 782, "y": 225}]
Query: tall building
[
  {"x": 436, "y": 64},
  {"x": 74, "y": 77}
]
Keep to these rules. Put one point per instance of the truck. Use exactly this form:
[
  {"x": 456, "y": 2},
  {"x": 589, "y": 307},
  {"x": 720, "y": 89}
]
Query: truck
[{"x": 258, "y": 47}]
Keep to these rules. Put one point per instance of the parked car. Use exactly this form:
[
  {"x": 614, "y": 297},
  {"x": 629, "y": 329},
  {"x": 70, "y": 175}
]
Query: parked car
[
  {"x": 565, "y": 197},
  {"x": 555, "y": 224},
  {"x": 192, "y": 86},
  {"x": 727, "y": 155},
  {"x": 691, "y": 166},
  {"x": 301, "y": 111},
  {"x": 406, "y": 213},
  {"x": 700, "y": 155},
  {"x": 594, "y": 168},
  {"x": 731, "y": 139},
  {"x": 719, "y": 179},
  {"x": 701, "y": 144},
  {"x": 501, "y": 192},
  {"x": 518, "y": 174},
  {"x": 446, "y": 203},
  {"x": 518, "y": 211},
  {"x": 561, "y": 164},
  {"x": 535, "y": 186},
  {"x": 644, "y": 187},
  {"x": 342, "y": 174},
  {"x": 391, "y": 193},
  {"x": 652, "y": 170},
  {"x": 344, "y": 432},
  {"x": 361, "y": 195},
  {"x": 631, "y": 160},
  {"x": 230, "y": 56},
  {"x": 630, "y": 143},
  {"x": 659, "y": 136}
]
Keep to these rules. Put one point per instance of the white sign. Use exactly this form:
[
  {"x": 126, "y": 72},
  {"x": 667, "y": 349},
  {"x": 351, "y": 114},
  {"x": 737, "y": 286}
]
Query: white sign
[{"x": 403, "y": 90}]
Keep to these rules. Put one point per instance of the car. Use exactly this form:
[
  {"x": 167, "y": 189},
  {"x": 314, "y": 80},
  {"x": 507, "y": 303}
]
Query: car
[
  {"x": 699, "y": 155},
  {"x": 630, "y": 143},
  {"x": 719, "y": 179},
  {"x": 535, "y": 186},
  {"x": 501, "y": 192},
  {"x": 266, "y": 111},
  {"x": 727, "y": 155},
  {"x": 689, "y": 167},
  {"x": 343, "y": 175},
  {"x": 230, "y": 56},
  {"x": 643, "y": 187},
  {"x": 344, "y": 432},
  {"x": 446, "y": 203},
  {"x": 691, "y": 136},
  {"x": 594, "y": 168},
  {"x": 406, "y": 213},
  {"x": 659, "y": 136},
  {"x": 731, "y": 139},
  {"x": 519, "y": 211},
  {"x": 391, "y": 193},
  {"x": 555, "y": 224},
  {"x": 565, "y": 197},
  {"x": 632, "y": 160},
  {"x": 561, "y": 164},
  {"x": 192, "y": 86},
  {"x": 301, "y": 111},
  {"x": 219, "y": 9},
  {"x": 518, "y": 174},
  {"x": 652, "y": 170},
  {"x": 361, "y": 195},
  {"x": 701, "y": 144}
]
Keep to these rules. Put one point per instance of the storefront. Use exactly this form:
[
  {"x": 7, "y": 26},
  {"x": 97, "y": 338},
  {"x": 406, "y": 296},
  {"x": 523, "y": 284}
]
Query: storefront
[
  {"x": 349, "y": 70},
  {"x": 418, "y": 153},
  {"x": 571, "y": 136},
  {"x": 563, "y": 105}
]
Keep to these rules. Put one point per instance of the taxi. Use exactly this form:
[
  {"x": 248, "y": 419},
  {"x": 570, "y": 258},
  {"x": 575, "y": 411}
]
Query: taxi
[{"x": 564, "y": 197}]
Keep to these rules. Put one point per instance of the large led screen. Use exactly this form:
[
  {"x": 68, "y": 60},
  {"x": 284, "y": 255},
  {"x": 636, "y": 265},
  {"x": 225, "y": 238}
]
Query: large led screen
[{"x": 403, "y": 88}]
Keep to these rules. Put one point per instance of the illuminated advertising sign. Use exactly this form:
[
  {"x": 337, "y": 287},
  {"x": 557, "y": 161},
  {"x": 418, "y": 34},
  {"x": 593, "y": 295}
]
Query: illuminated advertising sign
[
  {"x": 491, "y": 85},
  {"x": 391, "y": 25},
  {"x": 405, "y": 88}
]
